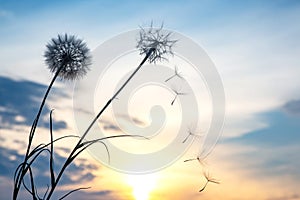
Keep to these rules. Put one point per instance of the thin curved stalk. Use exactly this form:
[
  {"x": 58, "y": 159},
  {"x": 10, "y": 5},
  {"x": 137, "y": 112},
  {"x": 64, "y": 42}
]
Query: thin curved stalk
[
  {"x": 116, "y": 94},
  {"x": 94, "y": 120},
  {"x": 17, "y": 184},
  {"x": 36, "y": 152},
  {"x": 51, "y": 162},
  {"x": 75, "y": 190}
]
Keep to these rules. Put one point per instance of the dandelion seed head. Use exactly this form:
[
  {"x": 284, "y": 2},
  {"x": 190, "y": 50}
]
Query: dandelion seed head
[
  {"x": 68, "y": 55},
  {"x": 157, "y": 39}
]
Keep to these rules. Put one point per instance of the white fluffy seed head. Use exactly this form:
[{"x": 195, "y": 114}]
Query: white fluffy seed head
[
  {"x": 69, "y": 56},
  {"x": 158, "y": 39}
]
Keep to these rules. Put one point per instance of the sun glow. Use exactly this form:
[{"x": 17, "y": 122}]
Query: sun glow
[{"x": 142, "y": 185}]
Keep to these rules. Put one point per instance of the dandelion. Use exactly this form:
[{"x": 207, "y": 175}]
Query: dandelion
[
  {"x": 67, "y": 56},
  {"x": 208, "y": 179},
  {"x": 156, "y": 40},
  {"x": 154, "y": 44}
]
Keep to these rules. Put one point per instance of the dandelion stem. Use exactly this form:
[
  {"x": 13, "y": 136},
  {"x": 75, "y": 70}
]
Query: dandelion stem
[
  {"x": 116, "y": 94},
  {"x": 70, "y": 157},
  {"x": 18, "y": 182}
]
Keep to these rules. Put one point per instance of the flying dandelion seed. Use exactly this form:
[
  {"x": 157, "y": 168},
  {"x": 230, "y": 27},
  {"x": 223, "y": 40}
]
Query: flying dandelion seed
[
  {"x": 158, "y": 40},
  {"x": 176, "y": 74},
  {"x": 193, "y": 159},
  {"x": 191, "y": 134},
  {"x": 177, "y": 93},
  {"x": 208, "y": 179},
  {"x": 199, "y": 159},
  {"x": 68, "y": 56}
]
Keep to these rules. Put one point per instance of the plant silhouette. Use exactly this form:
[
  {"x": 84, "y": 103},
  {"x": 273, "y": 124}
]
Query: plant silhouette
[{"x": 69, "y": 58}]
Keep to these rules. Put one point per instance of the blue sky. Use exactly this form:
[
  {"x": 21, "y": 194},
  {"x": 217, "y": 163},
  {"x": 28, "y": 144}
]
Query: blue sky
[{"x": 255, "y": 46}]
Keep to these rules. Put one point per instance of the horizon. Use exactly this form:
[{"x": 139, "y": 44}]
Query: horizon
[{"x": 254, "y": 47}]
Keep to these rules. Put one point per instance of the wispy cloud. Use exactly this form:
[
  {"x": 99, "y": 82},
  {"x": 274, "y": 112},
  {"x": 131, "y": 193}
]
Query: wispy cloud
[
  {"x": 271, "y": 152},
  {"x": 292, "y": 107},
  {"x": 109, "y": 125},
  {"x": 257, "y": 61},
  {"x": 92, "y": 195},
  {"x": 286, "y": 197},
  {"x": 255, "y": 46},
  {"x": 14, "y": 95},
  {"x": 79, "y": 172}
]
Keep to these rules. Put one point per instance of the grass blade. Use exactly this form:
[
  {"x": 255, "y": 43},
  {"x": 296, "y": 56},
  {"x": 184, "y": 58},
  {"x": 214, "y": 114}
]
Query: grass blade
[
  {"x": 75, "y": 190},
  {"x": 51, "y": 153}
]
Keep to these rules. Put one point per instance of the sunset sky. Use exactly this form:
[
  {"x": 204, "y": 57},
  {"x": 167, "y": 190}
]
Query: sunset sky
[{"x": 255, "y": 47}]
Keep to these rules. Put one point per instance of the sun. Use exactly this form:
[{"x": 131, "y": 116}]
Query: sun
[{"x": 142, "y": 185}]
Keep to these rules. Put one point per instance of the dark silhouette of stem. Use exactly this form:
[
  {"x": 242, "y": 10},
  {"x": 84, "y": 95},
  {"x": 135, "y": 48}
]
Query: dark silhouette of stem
[
  {"x": 20, "y": 177},
  {"x": 116, "y": 94},
  {"x": 51, "y": 163},
  {"x": 83, "y": 188},
  {"x": 71, "y": 156}
]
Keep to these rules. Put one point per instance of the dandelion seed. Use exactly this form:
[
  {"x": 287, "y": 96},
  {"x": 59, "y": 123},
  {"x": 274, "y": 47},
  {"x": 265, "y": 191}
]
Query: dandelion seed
[
  {"x": 198, "y": 158},
  {"x": 177, "y": 93},
  {"x": 191, "y": 133},
  {"x": 156, "y": 39},
  {"x": 192, "y": 159},
  {"x": 68, "y": 56},
  {"x": 174, "y": 75},
  {"x": 208, "y": 179}
]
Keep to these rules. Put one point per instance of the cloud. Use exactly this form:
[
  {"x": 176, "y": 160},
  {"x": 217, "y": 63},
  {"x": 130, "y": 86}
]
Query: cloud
[
  {"x": 110, "y": 126},
  {"x": 131, "y": 119},
  {"x": 286, "y": 197},
  {"x": 274, "y": 149},
  {"x": 9, "y": 161},
  {"x": 90, "y": 195},
  {"x": 282, "y": 130},
  {"x": 257, "y": 61},
  {"x": 250, "y": 53},
  {"x": 81, "y": 171},
  {"x": 19, "y": 103},
  {"x": 292, "y": 107}
]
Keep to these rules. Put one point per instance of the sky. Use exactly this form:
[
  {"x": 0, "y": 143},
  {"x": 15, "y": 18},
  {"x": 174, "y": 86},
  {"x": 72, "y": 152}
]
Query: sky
[{"x": 255, "y": 47}]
